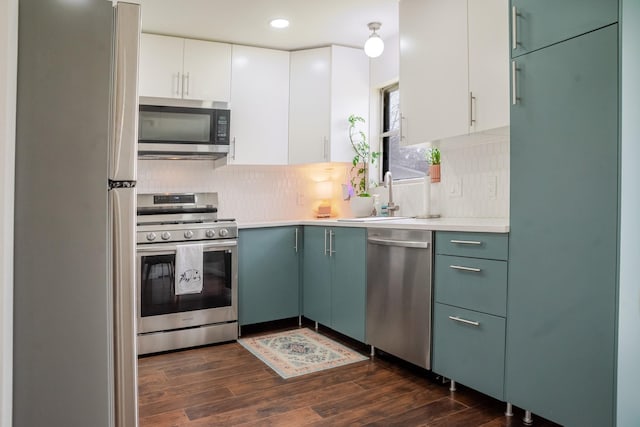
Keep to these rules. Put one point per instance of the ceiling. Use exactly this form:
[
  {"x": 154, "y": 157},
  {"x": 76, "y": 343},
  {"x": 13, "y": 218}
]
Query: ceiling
[{"x": 313, "y": 22}]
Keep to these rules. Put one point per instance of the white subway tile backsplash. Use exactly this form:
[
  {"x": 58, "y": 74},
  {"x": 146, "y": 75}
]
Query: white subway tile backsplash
[
  {"x": 475, "y": 165},
  {"x": 247, "y": 193},
  {"x": 264, "y": 193}
]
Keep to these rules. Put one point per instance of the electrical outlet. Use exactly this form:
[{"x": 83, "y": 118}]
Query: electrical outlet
[
  {"x": 300, "y": 199},
  {"x": 492, "y": 187},
  {"x": 455, "y": 188}
]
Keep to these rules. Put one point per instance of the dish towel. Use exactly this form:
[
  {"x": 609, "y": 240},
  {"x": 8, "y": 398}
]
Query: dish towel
[{"x": 188, "y": 269}]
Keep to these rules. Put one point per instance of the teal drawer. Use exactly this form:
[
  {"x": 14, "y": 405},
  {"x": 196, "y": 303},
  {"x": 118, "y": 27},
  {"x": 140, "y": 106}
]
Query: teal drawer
[
  {"x": 477, "y": 245},
  {"x": 470, "y": 354},
  {"x": 472, "y": 283}
]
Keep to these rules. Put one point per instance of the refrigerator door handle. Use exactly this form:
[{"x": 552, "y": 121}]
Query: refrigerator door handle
[
  {"x": 123, "y": 154},
  {"x": 122, "y": 204}
]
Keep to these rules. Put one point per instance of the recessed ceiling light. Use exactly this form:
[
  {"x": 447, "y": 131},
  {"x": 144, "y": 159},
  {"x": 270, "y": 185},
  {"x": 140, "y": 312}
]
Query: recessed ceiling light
[{"x": 279, "y": 23}]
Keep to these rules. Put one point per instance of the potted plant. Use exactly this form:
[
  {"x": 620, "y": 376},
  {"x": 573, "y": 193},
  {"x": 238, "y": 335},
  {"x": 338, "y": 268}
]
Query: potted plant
[
  {"x": 361, "y": 200},
  {"x": 433, "y": 157}
]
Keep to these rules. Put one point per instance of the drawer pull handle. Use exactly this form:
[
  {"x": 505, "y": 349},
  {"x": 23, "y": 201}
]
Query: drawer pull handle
[
  {"x": 468, "y": 322},
  {"x": 466, "y": 242},
  {"x": 459, "y": 267}
]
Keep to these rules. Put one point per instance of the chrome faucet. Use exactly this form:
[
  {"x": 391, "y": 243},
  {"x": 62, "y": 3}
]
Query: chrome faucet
[{"x": 388, "y": 183}]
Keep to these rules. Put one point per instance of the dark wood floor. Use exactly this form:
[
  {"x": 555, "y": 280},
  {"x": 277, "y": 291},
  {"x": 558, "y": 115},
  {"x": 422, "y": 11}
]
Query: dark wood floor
[{"x": 224, "y": 385}]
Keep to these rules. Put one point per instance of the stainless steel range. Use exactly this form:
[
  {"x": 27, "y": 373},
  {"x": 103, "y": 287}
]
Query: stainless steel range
[{"x": 169, "y": 319}]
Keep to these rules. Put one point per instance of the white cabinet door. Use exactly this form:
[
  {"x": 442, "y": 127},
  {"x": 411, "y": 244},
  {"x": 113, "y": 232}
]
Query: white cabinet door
[
  {"x": 160, "y": 66},
  {"x": 310, "y": 106},
  {"x": 327, "y": 85},
  {"x": 489, "y": 63},
  {"x": 207, "y": 71},
  {"x": 259, "y": 106},
  {"x": 434, "y": 95},
  {"x": 350, "y": 95}
]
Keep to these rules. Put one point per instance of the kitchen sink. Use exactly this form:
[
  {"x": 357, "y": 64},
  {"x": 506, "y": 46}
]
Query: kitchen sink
[{"x": 374, "y": 218}]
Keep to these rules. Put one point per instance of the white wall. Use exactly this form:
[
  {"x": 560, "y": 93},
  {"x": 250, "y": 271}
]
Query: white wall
[
  {"x": 628, "y": 410},
  {"x": 385, "y": 68},
  {"x": 8, "y": 63}
]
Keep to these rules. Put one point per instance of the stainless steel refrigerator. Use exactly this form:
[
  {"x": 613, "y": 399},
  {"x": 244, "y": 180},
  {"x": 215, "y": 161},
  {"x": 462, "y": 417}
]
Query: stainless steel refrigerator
[{"x": 74, "y": 321}]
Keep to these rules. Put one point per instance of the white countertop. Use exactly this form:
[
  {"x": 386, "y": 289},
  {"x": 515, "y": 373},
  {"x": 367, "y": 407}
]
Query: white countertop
[{"x": 485, "y": 225}]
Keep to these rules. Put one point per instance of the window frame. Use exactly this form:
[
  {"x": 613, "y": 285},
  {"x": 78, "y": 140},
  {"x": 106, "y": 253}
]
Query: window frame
[{"x": 385, "y": 136}]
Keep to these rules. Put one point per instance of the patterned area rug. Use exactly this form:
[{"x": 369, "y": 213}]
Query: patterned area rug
[{"x": 299, "y": 352}]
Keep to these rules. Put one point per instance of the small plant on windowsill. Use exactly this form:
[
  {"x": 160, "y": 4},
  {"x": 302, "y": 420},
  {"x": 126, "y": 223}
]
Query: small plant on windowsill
[{"x": 433, "y": 157}]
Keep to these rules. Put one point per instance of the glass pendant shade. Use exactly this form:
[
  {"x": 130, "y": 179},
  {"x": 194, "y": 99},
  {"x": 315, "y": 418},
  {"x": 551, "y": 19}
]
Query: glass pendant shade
[{"x": 374, "y": 46}]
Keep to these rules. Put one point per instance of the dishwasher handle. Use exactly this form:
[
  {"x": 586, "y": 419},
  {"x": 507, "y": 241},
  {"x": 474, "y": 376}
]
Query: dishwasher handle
[{"x": 400, "y": 243}]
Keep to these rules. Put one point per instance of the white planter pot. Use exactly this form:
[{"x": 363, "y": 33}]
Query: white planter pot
[{"x": 361, "y": 206}]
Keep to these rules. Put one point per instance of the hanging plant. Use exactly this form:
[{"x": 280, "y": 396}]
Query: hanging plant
[{"x": 362, "y": 159}]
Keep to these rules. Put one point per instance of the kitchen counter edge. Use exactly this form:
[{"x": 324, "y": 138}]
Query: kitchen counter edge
[{"x": 480, "y": 225}]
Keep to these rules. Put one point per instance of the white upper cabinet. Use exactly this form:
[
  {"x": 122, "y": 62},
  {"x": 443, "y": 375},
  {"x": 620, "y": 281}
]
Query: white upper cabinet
[
  {"x": 327, "y": 85},
  {"x": 207, "y": 71},
  {"x": 259, "y": 106},
  {"x": 173, "y": 67},
  {"x": 434, "y": 93},
  {"x": 160, "y": 66},
  {"x": 310, "y": 105},
  {"x": 453, "y": 68},
  {"x": 489, "y": 63}
]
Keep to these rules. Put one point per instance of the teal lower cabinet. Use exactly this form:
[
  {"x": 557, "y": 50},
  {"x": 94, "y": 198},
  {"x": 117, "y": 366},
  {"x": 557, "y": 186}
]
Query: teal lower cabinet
[
  {"x": 334, "y": 278},
  {"x": 469, "y": 348},
  {"x": 268, "y": 274},
  {"x": 469, "y": 315}
]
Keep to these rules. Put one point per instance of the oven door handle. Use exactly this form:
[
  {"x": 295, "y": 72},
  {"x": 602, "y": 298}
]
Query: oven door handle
[{"x": 164, "y": 247}]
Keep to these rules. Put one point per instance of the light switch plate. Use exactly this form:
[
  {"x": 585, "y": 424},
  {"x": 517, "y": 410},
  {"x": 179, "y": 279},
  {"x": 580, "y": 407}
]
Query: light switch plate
[
  {"x": 492, "y": 187},
  {"x": 455, "y": 188}
]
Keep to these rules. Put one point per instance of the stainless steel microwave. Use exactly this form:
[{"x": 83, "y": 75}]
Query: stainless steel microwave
[{"x": 182, "y": 132}]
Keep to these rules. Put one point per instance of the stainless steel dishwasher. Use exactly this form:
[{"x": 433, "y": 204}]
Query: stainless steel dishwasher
[{"x": 399, "y": 295}]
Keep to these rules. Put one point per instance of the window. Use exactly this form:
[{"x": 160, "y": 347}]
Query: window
[{"x": 403, "y": 162}]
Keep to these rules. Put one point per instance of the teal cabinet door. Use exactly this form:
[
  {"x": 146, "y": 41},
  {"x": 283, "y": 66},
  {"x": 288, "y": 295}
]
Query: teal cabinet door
[
  {"x": 349, "y": 284},
  {"x": 561, "y": 303},
  {"x": 316, "y": 289},
  {"x": 474, "y": 245},
  {"x": 542, "y": 23},
  {"x": 469, "y": 348},
  {"x": 334, "y": 278},
  {"x": 473, "y": 283},
  {"x": 268, "y": 273}
]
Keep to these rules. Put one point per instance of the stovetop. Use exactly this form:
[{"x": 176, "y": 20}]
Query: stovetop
[{"x": 182, "y": 217}]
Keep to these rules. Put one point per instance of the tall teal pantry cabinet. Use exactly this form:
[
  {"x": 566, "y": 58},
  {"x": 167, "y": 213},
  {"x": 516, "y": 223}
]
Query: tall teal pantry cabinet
[{"x": 562, "y": 343}]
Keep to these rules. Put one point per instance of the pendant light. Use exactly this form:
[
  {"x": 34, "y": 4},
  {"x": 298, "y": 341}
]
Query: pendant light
[{"x": 374, "y": 45}]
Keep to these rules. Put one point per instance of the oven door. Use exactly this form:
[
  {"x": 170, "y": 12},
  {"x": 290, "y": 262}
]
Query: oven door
[{"x": 160, "y": 309}]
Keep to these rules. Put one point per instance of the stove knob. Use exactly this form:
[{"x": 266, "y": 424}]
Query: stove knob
[
  {"x": 188, "y": 234},
  {"x": 210, "y": 233},
  {"x": 223, "y": 232},
  {"x": 166, "y": 235},
  {"x": 151, "y": 236}
]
